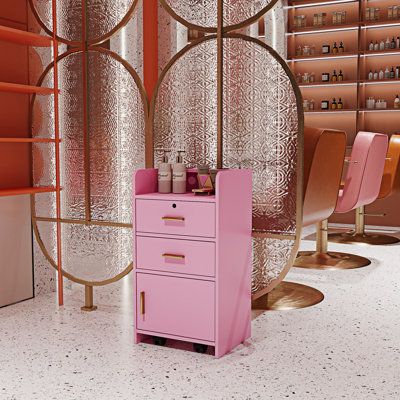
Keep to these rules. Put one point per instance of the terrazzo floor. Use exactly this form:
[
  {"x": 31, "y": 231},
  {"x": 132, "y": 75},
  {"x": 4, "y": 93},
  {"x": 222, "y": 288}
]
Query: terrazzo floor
[{"x": 347, "y": 347}]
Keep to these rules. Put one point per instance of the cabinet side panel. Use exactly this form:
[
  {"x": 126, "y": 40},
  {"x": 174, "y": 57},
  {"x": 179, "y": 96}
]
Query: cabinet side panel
[
  {"x": 16, "y": 276},
  {"x": 234, "y": 259}
]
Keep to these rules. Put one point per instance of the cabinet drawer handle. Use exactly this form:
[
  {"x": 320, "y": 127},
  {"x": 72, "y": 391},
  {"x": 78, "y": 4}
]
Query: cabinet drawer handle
[
  {"x": 142, "y": 303},
  {"x": 173, "y": 218},
  {"x": 177, "y": 256}
]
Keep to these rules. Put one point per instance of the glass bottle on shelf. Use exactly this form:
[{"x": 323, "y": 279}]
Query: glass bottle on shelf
[
  {"x": 382, "y": 45},
  {"x": 298, "y": 50},
  {"x": 392, "y": 73},
  {"x": 376, "y": 75},
  {"x": 381, "y": 74},
  {"x": 340, "y": 76},
  {"x": 312, "y": 77},
  {"x": 371, "y": 46},
  {"x": 370, "y": 75},
  {"x": 387, "y": 43},
  {"x": 311, "y": 105},
  {"x": 387, "y": 73},
  {"x": 341, "y": 47},
  {"x": 306, "y": 105},
  {"x": 376, "y": 46},
  {"x": 340, "y": 104},
  {"x": 335, "y": 49},
  {"x": 393, "y": 43},
  {"x": 334, "y": 76},
  {"x": 397, "y": 73},
  {"x": 396, "y": 103},
  {"x": 334, "y": 104}
]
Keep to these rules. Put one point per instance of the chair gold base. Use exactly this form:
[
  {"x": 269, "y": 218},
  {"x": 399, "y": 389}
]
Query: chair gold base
[
  {"x": 367, "y": 238},
  {"x": 93, "y": 308},
  {"x": 330, "y": 260},
  {"x": 288, "y": 296}
]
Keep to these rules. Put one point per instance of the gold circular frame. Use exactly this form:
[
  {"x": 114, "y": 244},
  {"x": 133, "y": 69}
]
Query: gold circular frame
[
  {"x": 300, "y": 144},
  {"x": 145, "y": 102},
  {"x": 78, "y": 43},
  {"x": 211, "y": 29}
]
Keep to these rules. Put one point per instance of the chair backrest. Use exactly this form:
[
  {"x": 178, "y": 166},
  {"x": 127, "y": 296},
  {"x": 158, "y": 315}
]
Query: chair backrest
[
  {"x": 364, "y": 175},
  {"x": 391, "y": 173},
  {"x": 324, "y": 153}
]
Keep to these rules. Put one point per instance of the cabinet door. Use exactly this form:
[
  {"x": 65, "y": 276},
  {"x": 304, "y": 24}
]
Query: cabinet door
[{"x": 175, "y": 306}]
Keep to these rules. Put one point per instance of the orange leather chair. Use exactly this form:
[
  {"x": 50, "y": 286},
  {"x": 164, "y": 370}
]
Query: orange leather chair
[
  {"x": 390, "y": 185},
  {"x": 324, "y": 154},
  {"x": 361, "y": 187}
]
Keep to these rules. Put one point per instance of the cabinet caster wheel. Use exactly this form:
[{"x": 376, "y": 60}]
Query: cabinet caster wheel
[
  {"x": 200, "y": 348},
  {"x": 159, "y": 341}
]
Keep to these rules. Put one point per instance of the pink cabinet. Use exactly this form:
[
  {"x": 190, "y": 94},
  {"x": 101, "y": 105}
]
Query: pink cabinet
[
  {"x": 176, "y": 306},
  {"x": 193, "y": 262}
]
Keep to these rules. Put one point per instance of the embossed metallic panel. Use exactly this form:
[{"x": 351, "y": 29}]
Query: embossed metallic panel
[
  {"x": 117, "y": 140},
  {"x": 103, "y": 17},
  {"x": 116, "y": 133},
  {"x": 185, "y": 109},
  {"x": 204, "y": 13},
  {"x": 261, "y": 132}
]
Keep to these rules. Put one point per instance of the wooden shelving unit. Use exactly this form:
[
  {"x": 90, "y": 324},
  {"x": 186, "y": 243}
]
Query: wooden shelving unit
[
  {"x": 15, "y": 147},
  {"x": 356, "y": 62}
]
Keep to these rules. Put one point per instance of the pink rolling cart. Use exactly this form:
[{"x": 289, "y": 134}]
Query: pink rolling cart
[{"x": 193, "y": 262}]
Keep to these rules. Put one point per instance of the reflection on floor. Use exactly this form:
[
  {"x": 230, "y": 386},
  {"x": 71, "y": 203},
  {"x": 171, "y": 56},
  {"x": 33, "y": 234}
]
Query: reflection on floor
[{"x": 347, "y": 347}]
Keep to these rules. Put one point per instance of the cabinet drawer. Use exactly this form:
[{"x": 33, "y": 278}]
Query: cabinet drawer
[
  {"x": 175, "y": 306},
  {"x": 175, "y": 218},
  {"x": 173, "y": 255}
]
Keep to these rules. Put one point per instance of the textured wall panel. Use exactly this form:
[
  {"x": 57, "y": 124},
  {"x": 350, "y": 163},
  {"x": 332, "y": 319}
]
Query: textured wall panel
[
  {"x": 261, "y": 132},
  {"x": 103, "y": 16},
  {"x": 116, "y": 133},
  {"x": 204, "y": 12}
]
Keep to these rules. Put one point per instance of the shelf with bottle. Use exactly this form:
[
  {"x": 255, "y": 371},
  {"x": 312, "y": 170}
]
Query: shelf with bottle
[
  {"x": 311, "y": 105},
  {"x": 386, "y": 73},
  {"x": 384, "y": 45},
  {"x": 325, "y": 78},
  {"x": 383, "y": 11}
]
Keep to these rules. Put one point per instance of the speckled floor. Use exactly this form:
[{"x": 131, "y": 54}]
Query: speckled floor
[{"x": 347, "y": 347}]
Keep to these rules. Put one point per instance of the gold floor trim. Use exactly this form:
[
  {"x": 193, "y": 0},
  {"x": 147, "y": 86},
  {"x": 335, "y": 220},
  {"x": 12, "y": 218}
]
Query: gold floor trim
[
  {"x": 288, "y": 296},
  {"x": 331, "y": 260},
  {"x": 375, "y": 239}
]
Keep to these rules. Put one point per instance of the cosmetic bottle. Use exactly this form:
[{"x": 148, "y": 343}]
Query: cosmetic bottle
[
  {"x": 376, "y": 75},
  {"x": 371, "y": 46},
  {"x": 325, "y": 105},
  {"x": 370, "y": 103},
  {"x": 381, "y": 74},
  {"x": 340, "y": 76},
  {"x": 376, "y": 46},
  {"x": 341, "y": 47},
  {"x": 392, "y": 73},
  {"x": 334, "y": 76},
  {"x": 334, "y": 104},
  {"x": 382, "y": 45},
  {"x": 393, "y": 43},
  {"x": 311, "y": 105},
  {"x": 179, "y": 175},
  {"x": 164, "y": 175},
  {"x": 340, "y": 104},
  {"x": 387, "y": 43},
  {"x": 335, "y": 49},
  {"x": 387, "y": 73},
  {"x": 396, "y": 103},
  {"x": 397, "y": 73},
  {"x": 370, "y": 75},
  {"x": 398, "y": 42}
]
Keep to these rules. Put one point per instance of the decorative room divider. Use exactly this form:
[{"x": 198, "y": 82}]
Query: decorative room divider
[
  {"x": 103, "y": 140},
  {"x": 227, "y": 99}
]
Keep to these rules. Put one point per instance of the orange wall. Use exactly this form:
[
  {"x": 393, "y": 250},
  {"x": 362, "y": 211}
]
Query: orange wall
[{"x": 14, "y": 108}]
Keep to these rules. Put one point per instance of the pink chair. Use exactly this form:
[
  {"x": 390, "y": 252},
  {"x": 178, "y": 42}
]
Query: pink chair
[{"x": 361, "y": 187}]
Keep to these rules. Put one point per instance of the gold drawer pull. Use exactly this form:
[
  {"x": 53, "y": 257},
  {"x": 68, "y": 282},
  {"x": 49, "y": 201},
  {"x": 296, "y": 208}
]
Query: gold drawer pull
[
  {"x": 173, "y": 218},
  {"x": 142, "y": 303},
  {"x": 177, "y": 256}
]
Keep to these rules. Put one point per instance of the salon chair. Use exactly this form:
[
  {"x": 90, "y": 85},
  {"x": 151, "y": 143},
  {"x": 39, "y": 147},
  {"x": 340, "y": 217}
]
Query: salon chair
[
  {"x": 324, "y": 154},
  {"x": 390, "y": 185},
  {"x": 361, "y": 187}
]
